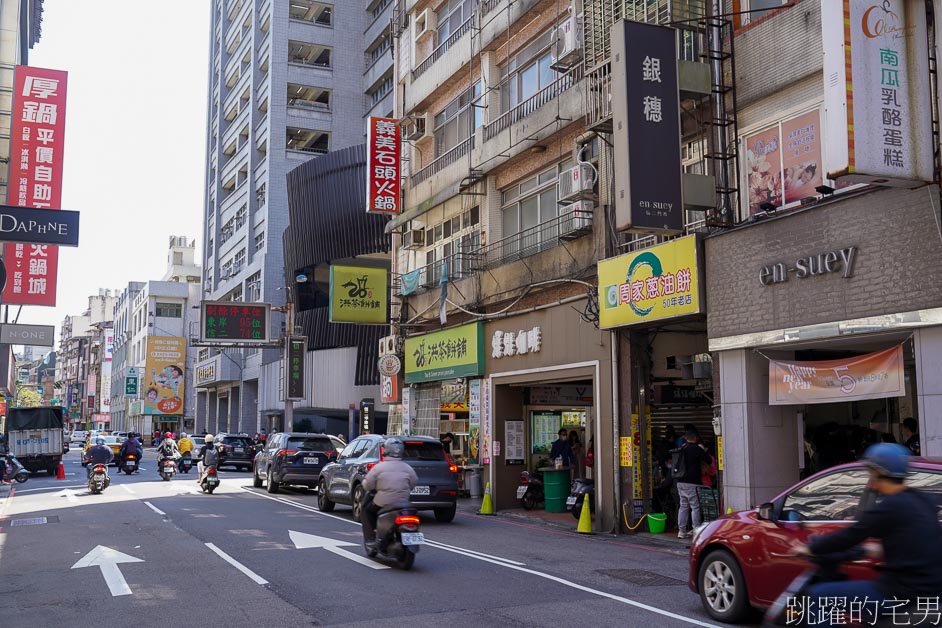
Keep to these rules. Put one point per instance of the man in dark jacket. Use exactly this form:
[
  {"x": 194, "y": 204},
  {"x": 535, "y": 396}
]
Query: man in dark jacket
[
  {"x": 131, "y": 446},
  {"x": 98, "y": 454},
  {"x": 562, "y": 449},
  {"x": 905, "y": 521},
  {"x": 692, "y": 456}
]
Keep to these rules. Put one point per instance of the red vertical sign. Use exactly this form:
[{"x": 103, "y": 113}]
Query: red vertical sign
[
  {"x": 36, "y": 145},
  {"x": 382, "y": 166}
]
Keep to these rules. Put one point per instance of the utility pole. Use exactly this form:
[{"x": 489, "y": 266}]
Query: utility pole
[{"x": 288, "y": 310}]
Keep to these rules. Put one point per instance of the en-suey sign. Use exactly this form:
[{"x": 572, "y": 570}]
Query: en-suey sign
[
  {"x": 445, "y": 354},
  {"x": 839, "y": 261}
]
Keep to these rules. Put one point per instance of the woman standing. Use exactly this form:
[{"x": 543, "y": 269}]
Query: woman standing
[{"x": 577, "y": 452}]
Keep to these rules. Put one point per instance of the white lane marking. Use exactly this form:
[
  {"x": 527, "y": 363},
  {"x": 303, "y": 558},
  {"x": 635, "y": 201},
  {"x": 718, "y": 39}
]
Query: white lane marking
[
  {"x": 155, "y": 509},
  {"x": 48, "y": 488},
  {"x": 232, "y": 561},
  {"x": 471, "y": 553},
  {"x": 107, "y": 560},
  {"x": 128, "y": 489},
  {"x": 503, "y": 562}
]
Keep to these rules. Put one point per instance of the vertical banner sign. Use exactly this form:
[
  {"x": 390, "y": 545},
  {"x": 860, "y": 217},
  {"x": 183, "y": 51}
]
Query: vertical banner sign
[
  {"x": 485, "y": 421},
  {"x": 646, "y": 113},
  {"x": 163, "y": 372},
  {"x": 474, "y": 421},
  {"x": 382, "y": 166},
  {"x": 295, "y": 351},
  {"x": 878, "y": 122},
  {"x": 636, "y": 487},
  {"x": 37, "y": 134}
]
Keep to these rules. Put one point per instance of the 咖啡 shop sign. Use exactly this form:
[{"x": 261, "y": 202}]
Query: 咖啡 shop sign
[{"x": 871, "y": 376}]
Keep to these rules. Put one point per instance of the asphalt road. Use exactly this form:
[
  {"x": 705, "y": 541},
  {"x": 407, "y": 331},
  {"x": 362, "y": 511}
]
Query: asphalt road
[{"x": 231, "y": 559}]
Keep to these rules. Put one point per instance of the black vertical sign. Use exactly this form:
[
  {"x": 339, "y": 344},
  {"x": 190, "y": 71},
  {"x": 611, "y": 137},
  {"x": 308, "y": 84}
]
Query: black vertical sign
[
  {"x": 646, "y": 117},
  {"x": 294, "y": 368}
]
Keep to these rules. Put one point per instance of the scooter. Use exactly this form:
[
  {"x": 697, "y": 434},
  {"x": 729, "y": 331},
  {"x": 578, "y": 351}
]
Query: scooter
[
  {"x": 397, "y": 536},
  {"x": 167, "y": 469},
  {"x": 210, "y": 480},
  {"x": 130, "y": 464},
  {"x": 185, "y": 463},
  {"x": 581, "y": 488},
  {"x": 13, "y": 470},
  {"x": 98, "y": 479},
  {"x": 530, "y": 491}
]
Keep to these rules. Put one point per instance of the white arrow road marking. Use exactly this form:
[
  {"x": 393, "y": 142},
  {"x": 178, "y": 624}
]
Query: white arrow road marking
[
  {"x": 305, "y": 541},
  {"x": 232, "y": 561},
  {"x": 69, "y": 495},
  {"x": 107, "y": 560}
]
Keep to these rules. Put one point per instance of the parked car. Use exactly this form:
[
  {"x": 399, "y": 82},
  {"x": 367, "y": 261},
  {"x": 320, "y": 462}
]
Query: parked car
[
  {"x": 110, "y": 441},
  {"x": 744, "y": 560},
  {"x": 237, "y": 451},
  {"x": 78, "y": 436},
  {"x": 294, "y": 458},
  {"x": 437, "y": 489}
]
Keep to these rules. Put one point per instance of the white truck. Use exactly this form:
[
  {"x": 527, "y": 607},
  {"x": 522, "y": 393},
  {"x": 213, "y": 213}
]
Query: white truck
[{"x": 34, "y": 436}]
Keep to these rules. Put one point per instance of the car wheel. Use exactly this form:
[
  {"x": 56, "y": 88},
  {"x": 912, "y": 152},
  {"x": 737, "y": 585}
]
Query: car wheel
[
  {"x": 445, "y": 515},
  {"x": 358, "y": 493},
  {"x": 323, "y": 503},
  {"x": 256, "y": 481},
  {"x": 723, "y": 587},
  {"x": 273, "y": 486}
]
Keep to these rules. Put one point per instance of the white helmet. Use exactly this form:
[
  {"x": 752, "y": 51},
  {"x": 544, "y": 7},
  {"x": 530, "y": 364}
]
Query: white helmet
[
  {"x": 208, "y": 439},
  {"x": 183, "y": 435}
]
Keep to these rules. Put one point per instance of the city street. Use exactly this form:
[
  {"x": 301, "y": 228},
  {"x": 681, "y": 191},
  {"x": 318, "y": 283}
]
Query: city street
[{"x": 244, "y": 557}]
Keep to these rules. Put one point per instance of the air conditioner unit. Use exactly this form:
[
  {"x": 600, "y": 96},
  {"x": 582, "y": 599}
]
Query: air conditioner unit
[
  {"x": 576, "y": 183},
  {"x": 413, "y": 239},
  {"x": 425, "y": 24},
  {"x": 568, "y": 44},
  {"x": 416, "y": 127},
  {"x": 575, "y": 219}
]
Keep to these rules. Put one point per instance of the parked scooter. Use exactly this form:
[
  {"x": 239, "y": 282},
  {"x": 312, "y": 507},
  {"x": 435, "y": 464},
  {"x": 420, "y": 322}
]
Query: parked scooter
[
  {"x": 530, "y": 491},
  {"x": 13, "y": 470},
  {"x": 581, "y": 488},
  {"x": 397, "y": 536},
  {"x": 167, "y": 469},
  {"x": 210, "y": 480},
  {"x": 185, "y": 463},
  {"x": 130, "y": 464},
  {"x": 98, "y": 479}
]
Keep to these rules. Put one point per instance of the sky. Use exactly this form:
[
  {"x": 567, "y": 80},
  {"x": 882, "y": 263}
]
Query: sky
[{"x": 135, "y": 138}]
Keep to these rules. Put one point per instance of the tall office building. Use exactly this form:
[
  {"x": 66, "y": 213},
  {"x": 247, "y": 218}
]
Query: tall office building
[{"x": 288, "y": 81}]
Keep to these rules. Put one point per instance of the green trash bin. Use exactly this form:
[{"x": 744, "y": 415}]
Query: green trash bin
[{"x": 556, "y": 487}]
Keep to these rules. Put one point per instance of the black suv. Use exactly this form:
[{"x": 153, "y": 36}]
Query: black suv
[
  {"x": 294, "y": 458},
  {"x": 238, "y": 450},
  {"x": 437, "y": 489}
]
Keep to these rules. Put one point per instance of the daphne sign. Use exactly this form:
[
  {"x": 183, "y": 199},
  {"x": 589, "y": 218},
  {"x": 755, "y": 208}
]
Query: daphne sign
[
  {"x": 871, "y": 376},
  {"x": 39, "y": 226}
]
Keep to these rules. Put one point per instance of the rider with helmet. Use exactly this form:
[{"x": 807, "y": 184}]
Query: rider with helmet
[
  {"x": 167, "y": 449},
  {"x": 131, "y": 446},
  {"x": 185, "y": 444},
  {"x": 99, "y": 453},
  {"x": 392, "y": 480},
  {"x": 904, "y": 520},
  {"x": 207, "y": 457}
]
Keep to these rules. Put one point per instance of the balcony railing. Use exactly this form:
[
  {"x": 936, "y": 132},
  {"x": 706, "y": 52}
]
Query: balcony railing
[
  {"x": 489, "y": 5},
  {"x": 598, "y": 88},
  {"x": 534, "y": 102},
  {"x": 442, "y": 49},
  {"x": 443, "y": 161}
]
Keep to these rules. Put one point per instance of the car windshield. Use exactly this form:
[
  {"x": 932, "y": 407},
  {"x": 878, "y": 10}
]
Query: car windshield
[
  {"x": 420, "y": 450},
  {"x": 311, "y": 443},
  {"x": 238, "y": 442}
]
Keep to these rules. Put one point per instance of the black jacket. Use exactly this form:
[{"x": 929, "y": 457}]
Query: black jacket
[
  {"x": 99, "y": 454},
  {"x": 908, "y": 526},
  {"x": 693, "y": 455}
]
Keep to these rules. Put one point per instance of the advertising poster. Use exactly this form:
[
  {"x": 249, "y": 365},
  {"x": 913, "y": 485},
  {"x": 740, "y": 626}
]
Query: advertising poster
[
  {"x": 764, "y": 169},
  {"x": 358, "y": 294},
  {"x": 513, "y": 436},
  {"x": 801, "y": 157},
  {"x": 871, "y": 376},
  {"x": 164, "y": 372},
  {"x": 543, "y": 433}
]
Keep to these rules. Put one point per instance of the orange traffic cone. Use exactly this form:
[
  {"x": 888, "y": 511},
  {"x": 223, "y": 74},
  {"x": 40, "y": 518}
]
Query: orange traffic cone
[{"x": 60, "y": 474}]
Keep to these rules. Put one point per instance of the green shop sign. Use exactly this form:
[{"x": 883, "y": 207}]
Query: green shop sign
[{"x": 446, "y": 354}]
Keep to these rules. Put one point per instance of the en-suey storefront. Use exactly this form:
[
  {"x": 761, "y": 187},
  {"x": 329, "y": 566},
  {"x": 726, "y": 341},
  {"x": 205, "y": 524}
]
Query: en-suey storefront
[
  {"x": 547, "y": 369},
  {"x": 826, "y": 328}
]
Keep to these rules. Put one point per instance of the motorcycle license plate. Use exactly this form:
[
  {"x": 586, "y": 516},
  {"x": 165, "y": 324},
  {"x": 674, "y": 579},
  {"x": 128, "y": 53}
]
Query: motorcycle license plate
[
  {"x": 421, "y": 490},
  {"x": 131, "y": 463},
  {"x": 521, "y": 491},
  {"x": 571, "y": 500},
  {"x": 413, "y": 538},
  {"x": 310, "y": 460}
]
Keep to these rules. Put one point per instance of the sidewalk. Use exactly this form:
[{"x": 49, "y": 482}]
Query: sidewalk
[{"x": 564, "y": 521}]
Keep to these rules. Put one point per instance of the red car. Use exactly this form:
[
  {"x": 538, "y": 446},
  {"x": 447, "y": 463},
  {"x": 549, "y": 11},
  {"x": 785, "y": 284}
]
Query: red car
[{"x": 742, "y": 561}]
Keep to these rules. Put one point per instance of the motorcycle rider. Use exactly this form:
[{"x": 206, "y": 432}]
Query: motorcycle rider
[
  {"x": 208, "y": 457},
  {"x": 131, "y": 446},
  {"x": 167, "y": 450},
  {"x": 185, "y": 445},
  {"x": 392, "y": 480},
  {"x": 904, "y": 520},
  {"x": 98, "y": 454}
]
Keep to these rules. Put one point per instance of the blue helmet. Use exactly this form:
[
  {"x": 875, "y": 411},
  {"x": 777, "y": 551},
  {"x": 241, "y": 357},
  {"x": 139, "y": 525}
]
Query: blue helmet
[{"x": 890, "y": 460}]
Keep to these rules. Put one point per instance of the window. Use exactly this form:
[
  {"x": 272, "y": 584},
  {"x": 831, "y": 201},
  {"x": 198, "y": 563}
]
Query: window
[
  {"x": 378, "y": 9},
  {"x": 929, "y": 483},
  {"x": 259, "y": 196},
  {"x": 240, "y": 217},
  {"x": 254, "y": 284},
  {"x": 238, "y": 261},
  {"x": 451, "y": 17},
  {"x": 758, "y": 8},
  {"x": 528, "y": 71},
  {"x": 834, "y": 497},
  {"x": 169, "y": 310},
  {"x": 528, "y": 205},
  {"x": 307, "y": 97},
  {"x": 457, "y": 121},
  {"x": 259, "y": 241},
  {"x": 307, "y": 140},
  {"x": 177, "y": 258},
  {"x": 309, "y": 54},
  {"x": 319, "y": 13},
  {"x": 377, "y": 52},
  {"x": 381, "y": 91},
  {"x": 454, "y": 240}
]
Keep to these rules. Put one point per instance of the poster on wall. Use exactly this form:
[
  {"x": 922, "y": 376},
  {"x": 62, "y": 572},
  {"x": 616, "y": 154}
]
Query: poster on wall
[
  {"x": 801, "y": 156},
  {"x": 474, "y": 421},
  {"x": 486, "y": 435},
  {"x": 164, "y": 375},
  {"x": 513, "y": 436},
  {"x": 544, "y": 426},
  {"x": 764, "y": 169}
]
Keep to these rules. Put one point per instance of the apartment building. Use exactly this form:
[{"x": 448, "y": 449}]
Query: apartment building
[{"x": 289, "y": 81}]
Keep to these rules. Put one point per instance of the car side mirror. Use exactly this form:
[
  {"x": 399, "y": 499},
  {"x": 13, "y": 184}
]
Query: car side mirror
[{"x": 767, "y": 511}]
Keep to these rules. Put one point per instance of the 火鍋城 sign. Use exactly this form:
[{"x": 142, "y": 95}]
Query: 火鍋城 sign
[
  {"x": 37, "y": 134},
  {"x": 871, "y": 376},
  {"x": 653, "y": 284},
  {"x": 382, "y": 166},
  {"x": 230, "y": 321},
  {"x": 445, "y": 354},
  {"x": 878, "y": 122},
  {"x": 358, "y": 294},
  {"x": 646, "y": 114}
]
